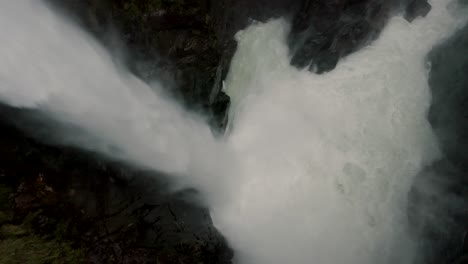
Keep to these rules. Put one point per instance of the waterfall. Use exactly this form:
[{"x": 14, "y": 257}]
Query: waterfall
[
  {"x": 328, "y": 160},
  {"x": 313, "y": 168}
]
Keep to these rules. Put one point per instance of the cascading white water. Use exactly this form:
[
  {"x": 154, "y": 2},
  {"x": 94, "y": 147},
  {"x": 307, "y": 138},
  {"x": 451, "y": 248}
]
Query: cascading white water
[
  {"x": 328, "y": 160},
  {"x": 314, "y": 168},
  {"x": 50, "y": 65}
]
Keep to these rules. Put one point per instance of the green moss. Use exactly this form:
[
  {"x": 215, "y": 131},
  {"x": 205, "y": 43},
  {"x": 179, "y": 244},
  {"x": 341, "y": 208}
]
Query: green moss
[
  {"x": 6, "y": 214},
  {"x": 5, "y": 192},
  {"x": 5, "y": 217},
  {"x": 131, "y": 9},
  {"x": 36, "y": 250},
  {"x": 62, "y": 230},
  {"x": 19, "y": 244},
  {"x": 9, "y": 231},
  {"x": 29, "y": 219},
  {"x": 137, "y": 8}
]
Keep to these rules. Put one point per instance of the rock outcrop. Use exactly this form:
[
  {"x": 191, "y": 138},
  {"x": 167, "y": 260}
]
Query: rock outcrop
[
  {"x": 325, "y": 31},
  {"x": 100, "y": 211}
]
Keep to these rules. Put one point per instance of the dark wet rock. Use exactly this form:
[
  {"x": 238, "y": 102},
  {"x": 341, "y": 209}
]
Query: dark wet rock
[
  {"x": 180, "y": 43},
  {"x": 220, "y": 112},
  {"x": 324, "y": 31},
  {"x": 464, "y": 252},
  {"x": 439, "y": 196},
  {"x": 417, "y": 8},
  {"x": 449, "y": 110},
  {"x": 189, "y": 44},
  {"x": 111, "y": 212}
]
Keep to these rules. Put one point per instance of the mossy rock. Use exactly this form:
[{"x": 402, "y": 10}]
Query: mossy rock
[
  {"x": 35, "y": 250},
  {"x": 5, "y": 192},
  {"x": 19, "y": 244},
  {"x": 13, "y": 231},
  {"x": 5, "y": 217}
]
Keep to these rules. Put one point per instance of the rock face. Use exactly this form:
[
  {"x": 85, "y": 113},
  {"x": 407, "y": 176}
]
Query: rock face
[
  {"x": 104, "y": 211},
  {"x": 324, "y": 31},
  {"x": 189, "y": 43},
  {"x": 439, "y": 210},
  {"x": 177, "y": 42}
]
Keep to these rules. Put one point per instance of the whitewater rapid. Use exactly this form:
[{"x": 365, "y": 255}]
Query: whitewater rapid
[
  {"x": 328, "y": 160},
  {"x": 312, "y": 169}
]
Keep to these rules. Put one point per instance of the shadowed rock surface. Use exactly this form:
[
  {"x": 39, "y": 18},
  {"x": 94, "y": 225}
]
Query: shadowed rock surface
[
  {"x": 324, "y": 31},
  {"x": 105, "y": 212},
  {"x": 444, "y": 185},
  {"x": 188, "y": 44}
]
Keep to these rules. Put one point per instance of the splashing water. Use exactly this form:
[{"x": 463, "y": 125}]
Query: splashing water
[
  {"x": 328, "y": 159},
  {"x": 49, "y": 65},
  {"x": 313, "y": 169}
]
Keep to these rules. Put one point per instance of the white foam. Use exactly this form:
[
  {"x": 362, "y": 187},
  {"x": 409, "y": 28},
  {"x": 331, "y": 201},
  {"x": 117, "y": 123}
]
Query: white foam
[
  {"x": 50, "y": 65},
  {"x": 328, "y": 159}
]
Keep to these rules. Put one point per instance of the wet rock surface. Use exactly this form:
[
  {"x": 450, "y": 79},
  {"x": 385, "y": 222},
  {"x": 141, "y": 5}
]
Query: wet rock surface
[
  {"x": 439, "y": 198},
  {"x": 103, "y": 211},
  {"x": 178, "y": 43},
  {"x": 188, "y": 45},
  {"x": 324, "y": 31}
]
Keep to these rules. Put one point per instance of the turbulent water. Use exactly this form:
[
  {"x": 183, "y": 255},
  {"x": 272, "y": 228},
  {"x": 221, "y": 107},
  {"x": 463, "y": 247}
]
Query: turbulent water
[
  {"x": 50, "y": 65},
  {"x": 328, "y": 159},
  {"x": 313, "y": 168}
]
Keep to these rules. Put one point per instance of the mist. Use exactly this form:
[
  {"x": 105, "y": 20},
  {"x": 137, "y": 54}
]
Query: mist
[
  {"x": 312, "y": 168},
  {"x": 331, "y": 158},
  {"x": 51, "y": 66}
]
